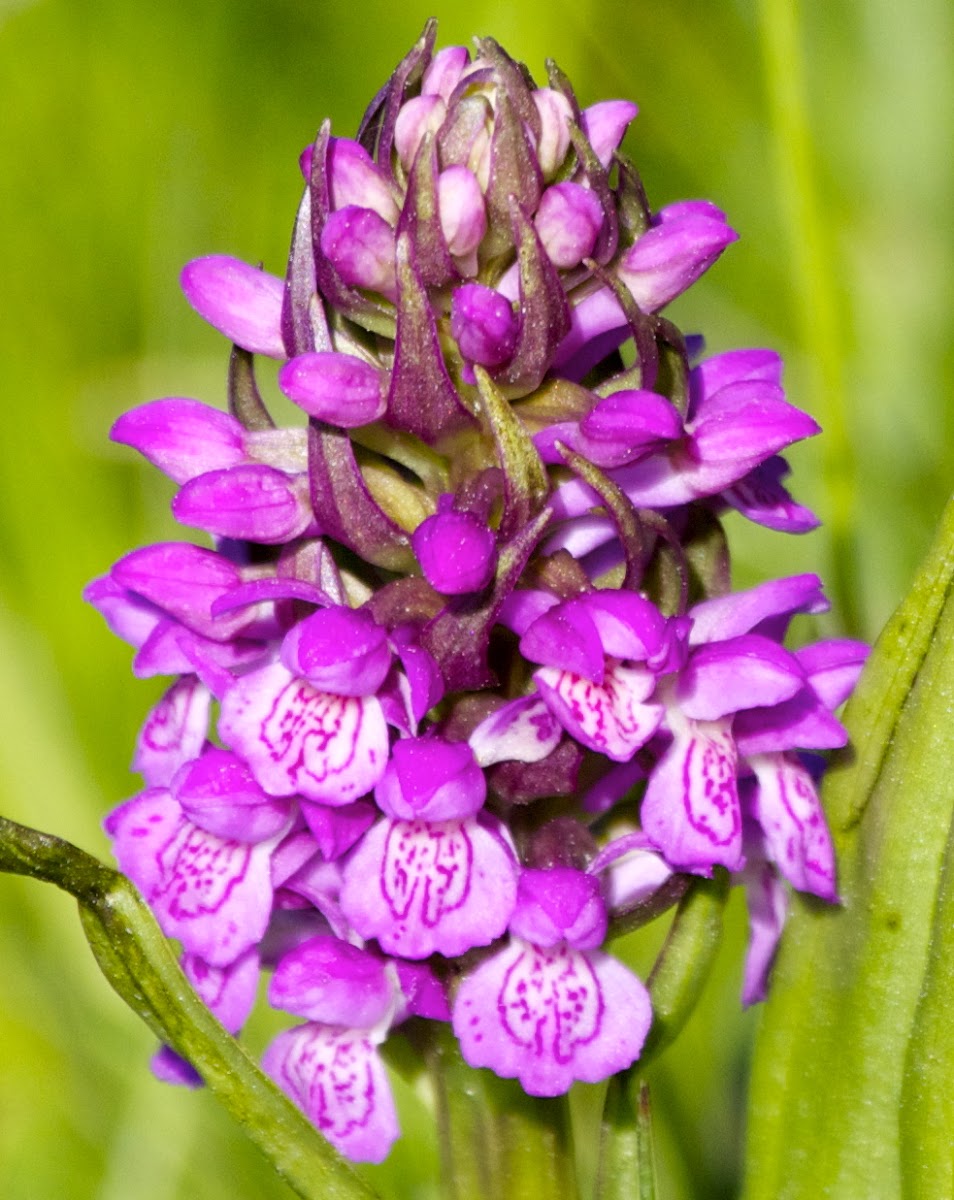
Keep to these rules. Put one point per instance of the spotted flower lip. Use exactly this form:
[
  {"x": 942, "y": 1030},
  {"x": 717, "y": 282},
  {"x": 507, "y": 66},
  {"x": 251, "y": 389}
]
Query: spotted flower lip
[{"x": 460, "y": 682}]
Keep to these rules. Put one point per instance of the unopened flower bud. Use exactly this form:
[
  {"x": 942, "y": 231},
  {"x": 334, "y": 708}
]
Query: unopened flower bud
[
  {"x": 354, "y": 179},
  {"x": 360, "y": 244},
  {"x": 457, "y": 552},
  {"x": 568, "y": 221},
  {"x": 238, "y": 300},
  {"x": 462, "y": 209},
  {"x": 419, "y": 116},
  {"x": 483, "y": 324},
  {"x": 338, "y": 388},
  {"x": 554, "y": 141}
]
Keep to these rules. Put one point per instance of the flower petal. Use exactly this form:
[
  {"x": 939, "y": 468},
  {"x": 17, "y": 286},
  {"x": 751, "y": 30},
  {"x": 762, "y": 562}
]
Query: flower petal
[
  {"x": 610, "y": 717},
  {"x": 329, "y": 748},
  {"x": 338, "y": 1080},
  {"x": 550, "y": 1017},
  {"x": 787, "y": 807}
]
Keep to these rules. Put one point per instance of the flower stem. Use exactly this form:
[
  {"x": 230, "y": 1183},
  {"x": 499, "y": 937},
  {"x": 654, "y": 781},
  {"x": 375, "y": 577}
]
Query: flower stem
[
  {"x": 627, "y": 1167},
  {"x": 495, "y": 1140},
  {"x": 139, "y": 963}
]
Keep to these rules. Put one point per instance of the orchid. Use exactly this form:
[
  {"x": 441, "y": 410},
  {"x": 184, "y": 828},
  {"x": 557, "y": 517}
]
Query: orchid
[{"x": 460, "y": 689}]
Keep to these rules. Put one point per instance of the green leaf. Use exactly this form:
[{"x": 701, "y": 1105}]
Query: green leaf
[{"x": 853, "y": 1068}]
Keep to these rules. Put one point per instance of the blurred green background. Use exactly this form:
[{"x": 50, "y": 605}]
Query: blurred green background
[{"x": 134, "y": 137}]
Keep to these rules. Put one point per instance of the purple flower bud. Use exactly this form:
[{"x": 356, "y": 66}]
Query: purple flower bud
[
  {"x": 182, "y": 437},
  {"x": 559, "y": 905},
  {"x": 418, "y": 116},
  {"x": 604, "y": 125},
  {"x": 250, "y": 502},
  {"x": 355, "y": 181},
  {"x": 554, "y": 141},
  {"x": 340, "y": 651},
  {"x": 240, "y": 301},
  {"x": 429, "y": 779},
  {"x": 684, "y": 241},
  {"x": 341, "y": 389},
  {"x": 483, "y": 324},
  {"x": 360, "y": 244},
  {"x": 327, "y": 980},
  {"x": 568, "y": 221},
  {"x": 457, "y": 552},
  {"x": 444, "y": 71},
  {"x": 463, "y": 212}
]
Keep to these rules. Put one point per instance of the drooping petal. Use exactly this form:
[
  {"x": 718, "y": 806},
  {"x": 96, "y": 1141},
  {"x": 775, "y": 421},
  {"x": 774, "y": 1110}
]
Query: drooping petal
[
  {"x": 422, "y": 887},
  {"x": 691, "y": 806},
  {"x": 766, "y": 609},
  {"x": 250, "y": 502},
  {"x": 612, "y": 717},
  {"x": 551, "y": 1017},
  {"x": 330, "y": 748},
  {"x": 787, "y": 807},
  {"x": 337, "y": 1078},
  {"x": 767, "y": 904},
  {"x": 228, "y": 991}
]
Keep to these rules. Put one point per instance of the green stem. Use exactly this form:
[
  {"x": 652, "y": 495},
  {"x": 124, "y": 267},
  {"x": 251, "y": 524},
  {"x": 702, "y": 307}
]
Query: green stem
[
  {"x": 627, "y": 1166},
  {"x": 138, "y": 962},
  {"x": 684, "y": 963},
  {"x": 497, "y": 1143}
]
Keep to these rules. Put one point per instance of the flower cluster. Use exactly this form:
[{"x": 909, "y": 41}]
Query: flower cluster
[{"x": 478, "y": 682}]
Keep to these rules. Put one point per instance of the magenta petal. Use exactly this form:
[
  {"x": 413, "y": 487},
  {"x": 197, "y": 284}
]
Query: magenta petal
[
  {"x": 833, "y": 668},
  {"x": 428, "y": 779},
  {"x": 767, "y": 904},
  {"x": 331, "y": 981},
  {"x": 339, "y": 650},
  {"x": 337, "y": 829},
  {"x": 604, "y": 123},
  {"x": 733, "y": 366},
  {"x": 174, "y": 731},
  {"x": 241, "y": 301},
  {"x": 483, "y": 324},
  {"x": 523, "y": 730},
  {"x": 182, "y": 437},
  {"x": 743, "y": 612},
  {"x": 213, "y": 894},
  {"x": 339, "y": 388},
  {"x": 219, "y": 794},
  {"x": 129, "y": 616},
  {"x": 787, "y": 807},
  {"x": 551, "y": 1017},
  {"x": 761, "y": 497},
  {"x": 249, "y": 502},
  {"x": 422, "y": 887},
  {"x": 800, "y": 723},
  {"x": 330, "y": 748},
  {"x": 740, "y": 673},
  {"x": 611, "y": 717},
  {"x": 228, "y": 991},
  {"x": 691, "y": 806},
  {"x": 354, "y": 178},
  {"x": 337, "y": 1078},
  {"x": 566, "y": 636},
  {"x": 360, "y": 244},
  {"x": 457, "y": 552},
  {"x": 184, "y": 580},
  {"x": 169, "y": 1067},
  {"x": 559, "y": 904},
  {"x": 568, "y": 218}
]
